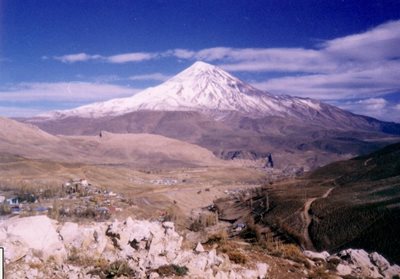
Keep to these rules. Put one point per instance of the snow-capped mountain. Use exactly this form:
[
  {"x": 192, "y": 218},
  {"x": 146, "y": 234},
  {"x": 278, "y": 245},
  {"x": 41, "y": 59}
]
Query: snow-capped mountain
[
  {"x": 201, "y": 87},
  {"x": 207, "y": 106}
]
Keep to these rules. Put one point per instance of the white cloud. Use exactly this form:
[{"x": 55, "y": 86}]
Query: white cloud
[
  {"x": 181, "y": 53},
  {"x": 270, "y": 59},
  {"x": 77, "y": 57},
  {"x": 374, "y": 104},
  {"x": 118, "y": 59},
  {"x": 154, "y": 76},
  {"x": 74, "y": 92},
  {"x": 19, "y": 112},
  {"x": 131, "y": 57},
  {"x": 375, "y": 107},
  {"x": 361, "y": 83},
  {"x": 378, "y": 43}
]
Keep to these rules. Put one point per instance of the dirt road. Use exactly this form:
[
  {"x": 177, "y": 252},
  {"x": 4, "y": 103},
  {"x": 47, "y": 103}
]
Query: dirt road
[{"x": 307, "y": 218}]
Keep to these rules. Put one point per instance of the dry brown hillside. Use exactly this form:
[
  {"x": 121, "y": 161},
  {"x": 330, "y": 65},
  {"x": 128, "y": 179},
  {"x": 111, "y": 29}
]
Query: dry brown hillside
[{"x": 133, "y": 149}]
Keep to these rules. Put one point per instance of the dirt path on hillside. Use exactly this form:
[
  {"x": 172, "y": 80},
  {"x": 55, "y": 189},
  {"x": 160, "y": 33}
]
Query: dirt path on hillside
[{"x": 307, "y": 218}]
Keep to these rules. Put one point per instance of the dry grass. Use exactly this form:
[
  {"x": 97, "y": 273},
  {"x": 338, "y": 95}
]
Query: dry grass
[
  {"x": 204, "y": 220},
  {"x": 320, "y": 273},
  {"x": 174, "y": 214},
  {"x": 77, "y": 258},
  {"x": 237, "y": 257},
  {"x": 36, "y": 265},
  {"x": 116, "y": 269},
  {"x": 218, "y": 238},
  {"x": 5, "y": 209}
]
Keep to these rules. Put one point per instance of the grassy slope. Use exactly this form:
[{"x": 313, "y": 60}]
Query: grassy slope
[{"x": 364, "y": 209}]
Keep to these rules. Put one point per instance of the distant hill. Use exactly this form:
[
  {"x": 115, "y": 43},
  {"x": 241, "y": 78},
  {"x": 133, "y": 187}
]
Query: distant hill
[{"x": 134, "y": 149}]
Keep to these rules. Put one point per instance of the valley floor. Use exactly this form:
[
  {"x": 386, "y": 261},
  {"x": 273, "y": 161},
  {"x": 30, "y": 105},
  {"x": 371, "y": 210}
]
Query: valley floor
[{"x": 92, "y": 198}]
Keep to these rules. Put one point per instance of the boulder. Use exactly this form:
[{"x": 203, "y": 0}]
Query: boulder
[
  {"x": 359, "y": 262},
  {"x": 36, "y": 233},
  {"x": 379, "y": 261},
  {"x": 199, "y": 248},
  {"x": 316, "y": 256},
  {"x": 262, "y": 269},
  {"x": 90, "y": 239},
  {"x": 221, "y": 275},
  {"x": 392, "y": 271},
  {"x": 343, "y": 270}
]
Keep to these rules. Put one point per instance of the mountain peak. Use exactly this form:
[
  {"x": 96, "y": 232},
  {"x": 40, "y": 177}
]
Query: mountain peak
[
  {"x": 201, "y": 66},
  {"x": 201, "y": 87},
  {"x": 204, "y": 70}
]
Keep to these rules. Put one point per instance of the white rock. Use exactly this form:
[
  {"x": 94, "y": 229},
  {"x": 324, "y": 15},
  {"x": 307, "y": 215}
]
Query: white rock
[
  {"x": 221, "y": 275},
  {"x": 197, "y": 264},
  {"x": 234, "y": 275},
  {"x": 14, "y": 249},
  {"x": 262, "y": 269},
  {"x": 316, "y": 255},
  {"x": 343, "y": 270},
  {"x": 213, "y": 259},
  {"x": 3, "y": 234},
  {"x": 168, "y": 225},
  {"x": 199, "y": 248},
  {"x": 359, "y": 261},
  {"x": 90, "y": 239},
  {"x": 250, "y": 274},
  {"x": 34, "y": 233},
  {"x": 379, "y": 261},
  {"x": 392, "y": 271}
]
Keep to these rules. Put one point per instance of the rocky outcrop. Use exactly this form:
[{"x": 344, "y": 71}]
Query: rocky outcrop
[
  {"x": 357, "y": 263},
  {"x": 38, "y": 247},
  {"x": 36, "y": 235}
]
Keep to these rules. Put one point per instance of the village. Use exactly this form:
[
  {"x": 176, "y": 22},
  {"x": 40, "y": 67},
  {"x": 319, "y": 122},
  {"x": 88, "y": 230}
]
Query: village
[{"x": 76, "y": 198}]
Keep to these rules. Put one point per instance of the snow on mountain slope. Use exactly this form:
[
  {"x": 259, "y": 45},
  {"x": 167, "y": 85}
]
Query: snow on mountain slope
[{"x": 201, "y": 87}]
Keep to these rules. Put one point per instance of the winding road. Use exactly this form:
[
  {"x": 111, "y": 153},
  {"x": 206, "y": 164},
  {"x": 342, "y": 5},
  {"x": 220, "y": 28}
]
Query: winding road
[{"x": 307, "y": 218}]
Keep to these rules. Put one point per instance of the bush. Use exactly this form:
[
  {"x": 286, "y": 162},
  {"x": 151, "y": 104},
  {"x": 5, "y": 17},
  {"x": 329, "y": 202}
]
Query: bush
[
  {"x": 205, "y": 219},
  {"x": 5, "y": 209},
  {"x": 196, "y": 226},
  {"x": 171, "y": 270},
  {"x": 114, "y": 270},
  {"x": 219, "y": 237},
  {"x": 237, "y": 257},
  {"x": 291, "y": 252}
]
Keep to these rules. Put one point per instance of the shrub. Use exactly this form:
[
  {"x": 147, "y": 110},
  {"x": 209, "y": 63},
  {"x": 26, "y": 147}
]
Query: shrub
[
  {"x": 237, "y": 257},
  {"x": 113, "y": 270},
  {"x": 320, "y": 273},
  {"x": 204, "y": 220},
  {"x": 196, "y": 226},
  {"x": 54, "y": 212},
  {"x": 219, "y": 237},
  {"x": 291, "y": 252},
  {"x": 171, "y": 270},
  {"x": 5, "y": 209},
  {"x": 173, "y": 214}
]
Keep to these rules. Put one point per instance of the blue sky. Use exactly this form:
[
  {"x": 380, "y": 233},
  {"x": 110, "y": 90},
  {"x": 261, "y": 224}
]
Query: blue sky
[{"x": 62, "y": 54}]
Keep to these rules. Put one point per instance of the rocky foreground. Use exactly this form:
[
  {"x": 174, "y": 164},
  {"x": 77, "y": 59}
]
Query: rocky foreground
[{"x": 39, "y": 247}]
